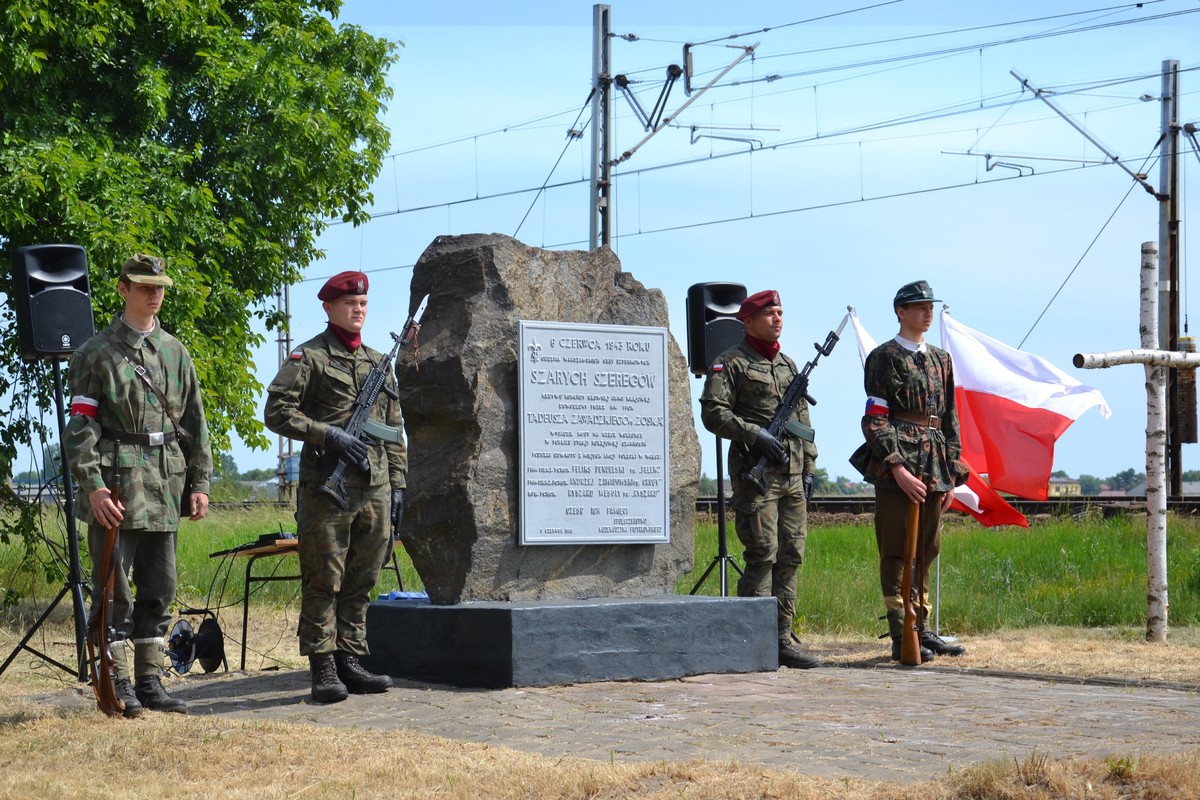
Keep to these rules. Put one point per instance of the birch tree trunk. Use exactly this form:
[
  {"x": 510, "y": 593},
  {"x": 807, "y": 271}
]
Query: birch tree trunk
[{"x": 1156, "y": 455}]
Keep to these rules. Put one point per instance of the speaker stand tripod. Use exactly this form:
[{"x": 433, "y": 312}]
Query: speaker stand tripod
[
  {"x": 722, "y": 558},
  {"x": 75, "y": 584}
]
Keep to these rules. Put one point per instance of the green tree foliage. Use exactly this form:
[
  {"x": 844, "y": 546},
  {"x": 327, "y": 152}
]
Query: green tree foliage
[
  {"x": 1126, "y": 479},
  {"x": 263, "y": 474},
  {"x": 1089, "y": 484},
  {"x": 227, "y": 467},
  {"x": 220, "y": 134}
]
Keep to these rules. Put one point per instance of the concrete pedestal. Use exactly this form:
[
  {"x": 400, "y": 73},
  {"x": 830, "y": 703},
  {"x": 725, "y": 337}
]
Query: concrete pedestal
[{"x": 552, "y": 642}]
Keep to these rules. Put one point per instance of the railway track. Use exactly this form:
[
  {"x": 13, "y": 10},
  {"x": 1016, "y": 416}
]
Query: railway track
[{"x": 1064, "y": 507}]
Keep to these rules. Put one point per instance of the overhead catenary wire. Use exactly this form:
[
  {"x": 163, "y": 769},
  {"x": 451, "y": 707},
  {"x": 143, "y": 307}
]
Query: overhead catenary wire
[
  {"x": 778, "y": 213},
  {"x": 1079, "y": 261},
  {"x": 963, "y": 48},
  {"x": 931, "y": 115},
  {"x": 523, "y": 124},
  {"x": 1005, "y": 101},
  {"x": 557, "y": 161}
]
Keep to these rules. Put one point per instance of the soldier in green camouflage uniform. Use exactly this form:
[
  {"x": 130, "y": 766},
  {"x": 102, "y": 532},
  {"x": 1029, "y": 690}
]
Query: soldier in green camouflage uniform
[
  {"x": 744, "y": 387},
  {"x": 341, "y": 550},
  {"x": 120, "y": 431},
  {"x": 912, "y": 455}
]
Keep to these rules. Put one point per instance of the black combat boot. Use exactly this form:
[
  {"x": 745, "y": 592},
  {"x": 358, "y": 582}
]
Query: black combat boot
[
  {"x": 152, "y": 695},
  {"x": 940, "y": 646},
  {"x": 357, "y": 679},
  {"x": 326, "y": 688},
  {"x": 128, "y": 697},
  {"x": 794, "y": 657},
  {"x": 896, "y": 631}
]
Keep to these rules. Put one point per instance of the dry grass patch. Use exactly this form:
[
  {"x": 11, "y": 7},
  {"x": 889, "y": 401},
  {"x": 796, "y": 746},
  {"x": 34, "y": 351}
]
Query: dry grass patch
[
  {"x": 1118, "y": 653},
  {"x": 52, "y": 751},
  {"x": 56, "y": 753}
]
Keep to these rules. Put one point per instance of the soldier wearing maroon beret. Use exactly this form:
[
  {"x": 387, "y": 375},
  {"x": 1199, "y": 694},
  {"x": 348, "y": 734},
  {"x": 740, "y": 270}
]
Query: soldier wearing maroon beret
[
  {"x": 344, "y": 283},
  {"x": 341, "y": 549},
  {"x": 744, "y": 388}
]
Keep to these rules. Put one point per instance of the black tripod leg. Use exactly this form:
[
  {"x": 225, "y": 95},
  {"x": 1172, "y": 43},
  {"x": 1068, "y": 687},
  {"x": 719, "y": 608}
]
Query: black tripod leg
[
  {"x": 75, "y": 582},
  {"x": 704, "y": 577},
  {"x": 24, "y": 643}
]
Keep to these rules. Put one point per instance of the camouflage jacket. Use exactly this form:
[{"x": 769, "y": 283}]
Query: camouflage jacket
[
  {"x": 317, "y": 388},
  {"x": 741, "y": 394},
  {"x": 108, "y": 396},
  {"x": 900, "y": 380}
]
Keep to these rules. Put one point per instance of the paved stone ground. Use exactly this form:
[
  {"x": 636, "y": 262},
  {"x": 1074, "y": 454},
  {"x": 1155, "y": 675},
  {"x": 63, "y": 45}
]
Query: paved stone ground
[{"x": 883, "y": 723}]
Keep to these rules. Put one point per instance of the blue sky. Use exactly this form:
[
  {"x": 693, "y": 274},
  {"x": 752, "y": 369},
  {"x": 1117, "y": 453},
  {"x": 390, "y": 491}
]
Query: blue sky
[{"x": 845, "y": 181}]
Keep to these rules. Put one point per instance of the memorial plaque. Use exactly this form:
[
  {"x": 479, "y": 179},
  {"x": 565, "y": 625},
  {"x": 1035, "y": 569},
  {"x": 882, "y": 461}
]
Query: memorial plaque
[{"x": 593, "y": 434}]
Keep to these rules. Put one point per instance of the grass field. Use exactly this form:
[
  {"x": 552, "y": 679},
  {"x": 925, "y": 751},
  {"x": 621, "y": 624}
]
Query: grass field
[
  {"x": 1066, "y": 598},
  {"x": 1075, "y": 573}
]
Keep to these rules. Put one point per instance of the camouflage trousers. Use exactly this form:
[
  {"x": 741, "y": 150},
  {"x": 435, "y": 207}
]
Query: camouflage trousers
[
  {"x": 891, "y": 521},
  {"x": 341, "y": 554},
  {"x": 772, "y": 528},
  {"x": 142, "y": 618}
]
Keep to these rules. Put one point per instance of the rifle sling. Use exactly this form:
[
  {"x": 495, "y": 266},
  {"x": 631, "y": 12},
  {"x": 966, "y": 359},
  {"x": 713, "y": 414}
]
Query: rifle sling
[{"x": 179, "y": 433}]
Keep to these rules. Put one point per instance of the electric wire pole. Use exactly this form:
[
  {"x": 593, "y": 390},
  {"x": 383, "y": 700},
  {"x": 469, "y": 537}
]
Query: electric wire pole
[
  {"x": 600, "y": 227},
  {"x": 1168, "y": 267}
]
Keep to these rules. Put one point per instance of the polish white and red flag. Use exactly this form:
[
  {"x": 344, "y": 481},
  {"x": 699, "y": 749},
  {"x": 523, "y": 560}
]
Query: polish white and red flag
[
  {"x": 1012, "y": 407},
  {"x": 975, "y": 497}
]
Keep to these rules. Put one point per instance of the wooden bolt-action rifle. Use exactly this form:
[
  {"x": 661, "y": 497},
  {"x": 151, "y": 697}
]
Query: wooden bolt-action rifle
[
  {"x": 910, "y": 641},
  {"x": 361, "y": 426},
  {"x": 782, "y": 425},
  {"x": 100, "y": 630}
]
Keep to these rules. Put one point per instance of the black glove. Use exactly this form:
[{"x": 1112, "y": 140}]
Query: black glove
[
  {"x": 809, "y": 485},
  {"x": 397, "y": 511},
  {"x": 769, "y": 447},
  {"x": 346, "y": 447}
]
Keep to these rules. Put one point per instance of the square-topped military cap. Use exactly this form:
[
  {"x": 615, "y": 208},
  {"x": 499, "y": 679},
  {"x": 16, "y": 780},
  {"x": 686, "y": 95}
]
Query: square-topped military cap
[{"x": 142, "y": 268}]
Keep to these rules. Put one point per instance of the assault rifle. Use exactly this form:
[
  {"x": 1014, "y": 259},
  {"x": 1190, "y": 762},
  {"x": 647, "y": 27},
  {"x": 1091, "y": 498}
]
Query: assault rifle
[
  {"x": 361, "y": 425},
  {"x": 782, "y": 424}
]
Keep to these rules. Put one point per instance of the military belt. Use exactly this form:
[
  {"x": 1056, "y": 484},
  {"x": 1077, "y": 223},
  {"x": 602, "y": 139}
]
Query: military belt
[
  {"x": 924, "y": 420},
  {"x": 144, "y": 439}
]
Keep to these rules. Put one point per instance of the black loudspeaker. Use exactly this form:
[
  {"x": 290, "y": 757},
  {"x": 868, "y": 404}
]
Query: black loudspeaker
[
  {"x": 52, "y": 299},
  {"x": 712, "y": 325}
]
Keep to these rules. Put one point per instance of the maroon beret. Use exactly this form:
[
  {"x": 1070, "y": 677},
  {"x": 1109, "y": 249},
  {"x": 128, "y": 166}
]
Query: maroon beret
[
  {"x": 343, "y": 283},
  {"x": 757, "y": 302}
]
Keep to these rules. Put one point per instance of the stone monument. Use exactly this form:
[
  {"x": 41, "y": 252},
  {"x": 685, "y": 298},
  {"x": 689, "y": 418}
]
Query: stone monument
[{"x": 501, "y": 613}]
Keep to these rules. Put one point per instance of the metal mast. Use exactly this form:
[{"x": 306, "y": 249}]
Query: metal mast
[
  {"x": 600, "y": 233},
  {"x": 1168, "y": 265}
]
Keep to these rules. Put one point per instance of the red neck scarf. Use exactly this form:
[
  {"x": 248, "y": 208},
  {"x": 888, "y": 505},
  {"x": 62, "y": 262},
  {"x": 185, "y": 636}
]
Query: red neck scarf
[
  {"x": 351, "y": 340},
  {"x": 765, "y": 349}
]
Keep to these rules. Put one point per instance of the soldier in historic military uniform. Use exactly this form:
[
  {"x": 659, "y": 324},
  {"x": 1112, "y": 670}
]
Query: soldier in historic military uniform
[
  {"x": 912, "y": 455},
  {"x": 137, "y": 421},
  {"x": 744, "y": 387},
  {"x": 341, "y": 550}
]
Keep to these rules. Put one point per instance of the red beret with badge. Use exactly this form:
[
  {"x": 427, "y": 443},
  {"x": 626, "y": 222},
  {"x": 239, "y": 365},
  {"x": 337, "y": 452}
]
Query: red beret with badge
[
  {"x": 343, "y": 283},
  {"x": 757, "y": 302}
]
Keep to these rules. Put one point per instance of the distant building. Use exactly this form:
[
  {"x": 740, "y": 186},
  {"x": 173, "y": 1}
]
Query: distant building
[
  {"x": 1190, "y": 489},
  {"x": 1064, "y": 487}
]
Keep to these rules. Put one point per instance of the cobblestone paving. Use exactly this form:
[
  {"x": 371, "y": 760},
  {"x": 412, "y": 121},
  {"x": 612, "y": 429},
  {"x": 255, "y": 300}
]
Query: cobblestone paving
[{"x": 887, "y": 723}]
